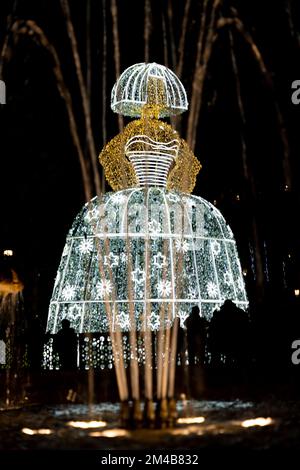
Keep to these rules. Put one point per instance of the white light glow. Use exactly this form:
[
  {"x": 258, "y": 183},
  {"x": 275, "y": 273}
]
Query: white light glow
[
  {"x": 110, "y": 433},
  {"x": 8, "y": 252},
  {"x": 191, "y": 420},
  {"x": 33, "y": 432},
  {"x": 297, "y": 292},
  {"x": 256, "y": 422},
  {"x": 87, "y": 424}
]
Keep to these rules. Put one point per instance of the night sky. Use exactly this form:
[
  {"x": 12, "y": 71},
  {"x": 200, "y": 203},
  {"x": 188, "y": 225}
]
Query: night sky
[{"x": 41, "y": 186}]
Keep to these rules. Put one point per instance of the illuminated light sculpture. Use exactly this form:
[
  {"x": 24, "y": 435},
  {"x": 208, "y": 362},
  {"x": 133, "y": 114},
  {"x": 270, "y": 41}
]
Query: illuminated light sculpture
[
  {"x": 132, "y": 91},
  {"x": 138, "y": 259},
  {"x": 175, "y": 229}
]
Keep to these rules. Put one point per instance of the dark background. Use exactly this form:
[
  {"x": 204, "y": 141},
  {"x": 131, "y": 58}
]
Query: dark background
[{"x": 40, "y": 180}]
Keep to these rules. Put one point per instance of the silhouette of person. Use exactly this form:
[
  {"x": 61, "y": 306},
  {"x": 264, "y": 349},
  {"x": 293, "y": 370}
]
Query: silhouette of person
[
  {"x": 65, "y": 344},
  {"x": 229, "y": 335},
  {"x": 193, "y": 340},
  {"x": 196, "y": 336}
]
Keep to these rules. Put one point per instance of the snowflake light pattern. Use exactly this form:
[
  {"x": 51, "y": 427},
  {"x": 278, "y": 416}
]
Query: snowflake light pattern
[
  {"x": 182, "y": 246},
  {"x": 68, "y": 292},
  {"x": 212, "y": 289},
  {"x": 103, "y": 288},
  {"x": 86, "y": 246},
  {"x": 164, "y": 288}
]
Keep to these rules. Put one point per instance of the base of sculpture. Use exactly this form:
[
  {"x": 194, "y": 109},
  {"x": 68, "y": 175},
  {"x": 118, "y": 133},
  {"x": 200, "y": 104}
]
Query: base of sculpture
[{"x": 152, "y": 415}]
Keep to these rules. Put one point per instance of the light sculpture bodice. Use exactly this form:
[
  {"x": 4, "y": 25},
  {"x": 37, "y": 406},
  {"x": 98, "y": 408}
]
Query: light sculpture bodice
[
  {"x": 151, "y": 160},
  {"x": 149, "y": 251}
]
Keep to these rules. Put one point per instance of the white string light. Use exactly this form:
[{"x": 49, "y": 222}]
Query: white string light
[
  {"x": 130, "y": 93},
  {"x": 151, "y": 160},
  {"x": 209, "y": 261}
]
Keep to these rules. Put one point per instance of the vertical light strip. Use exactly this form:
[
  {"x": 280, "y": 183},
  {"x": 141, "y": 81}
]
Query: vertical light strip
[{"x": 61, "y": 284}]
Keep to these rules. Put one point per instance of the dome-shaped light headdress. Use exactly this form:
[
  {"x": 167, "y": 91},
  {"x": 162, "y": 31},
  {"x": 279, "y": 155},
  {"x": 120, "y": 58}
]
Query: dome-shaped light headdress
[{"x": 143, "y": 84}]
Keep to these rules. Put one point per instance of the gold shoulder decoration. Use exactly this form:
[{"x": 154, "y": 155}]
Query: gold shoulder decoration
[
  {"x": 118, "y": 170},
  {"x": 184, "y": 174}
]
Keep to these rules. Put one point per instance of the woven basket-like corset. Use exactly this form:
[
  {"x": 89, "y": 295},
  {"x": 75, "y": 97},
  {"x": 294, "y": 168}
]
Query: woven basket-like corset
[{"x": 151, "y": 160}]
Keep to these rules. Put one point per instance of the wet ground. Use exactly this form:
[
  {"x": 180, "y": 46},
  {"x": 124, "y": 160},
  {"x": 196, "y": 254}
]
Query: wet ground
[{"x": 202, "y": 425}]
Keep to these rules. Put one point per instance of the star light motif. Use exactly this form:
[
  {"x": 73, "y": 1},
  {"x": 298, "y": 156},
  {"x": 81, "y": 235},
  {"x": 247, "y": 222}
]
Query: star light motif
[
  {"x": 153, "y": 321},
  {"x": 159, "y": 260},
  {"x": 103, "y": 288},
  {"x": 111, "y": 260},
  {"x": 212, "y": 289},
  {"x": 138, "y": 276},
  {"x": 215, "y": 247},
  {"x": 74, "y": 312},
  {"x": 68, "y": 292},
  {"x": 123, "y": 320},
  {"x": 86, "y": 246},
  {"x": 182, "y": 246},
  {"x": 164, "y": 288},
  {"x": 154, "y": 227}
]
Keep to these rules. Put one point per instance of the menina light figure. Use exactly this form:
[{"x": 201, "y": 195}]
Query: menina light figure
[{"x": 143, "y": 255}]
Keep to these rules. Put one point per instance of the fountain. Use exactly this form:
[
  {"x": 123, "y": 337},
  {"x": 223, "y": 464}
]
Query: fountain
[
  {"x": 12, "y": 353},
  {"x": 137, "y": 259}
]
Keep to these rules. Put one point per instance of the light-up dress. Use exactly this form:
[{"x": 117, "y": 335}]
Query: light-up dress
[{"x": 149, "y": 249}]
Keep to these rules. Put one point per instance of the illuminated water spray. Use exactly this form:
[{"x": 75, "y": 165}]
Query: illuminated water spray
[
  {"x": 137, "y": 259},
  {"x": 11, "y": 322}
]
